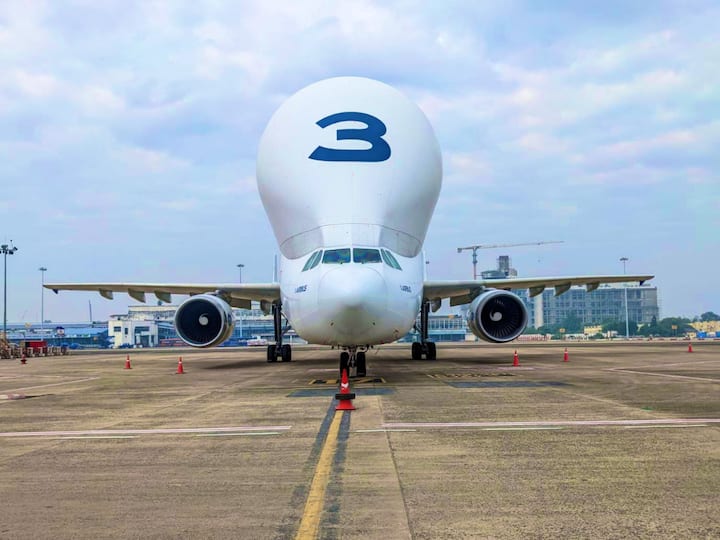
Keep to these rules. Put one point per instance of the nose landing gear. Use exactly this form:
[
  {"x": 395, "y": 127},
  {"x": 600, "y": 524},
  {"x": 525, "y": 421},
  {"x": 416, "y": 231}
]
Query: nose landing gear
[{"x": 352, "y": 358}]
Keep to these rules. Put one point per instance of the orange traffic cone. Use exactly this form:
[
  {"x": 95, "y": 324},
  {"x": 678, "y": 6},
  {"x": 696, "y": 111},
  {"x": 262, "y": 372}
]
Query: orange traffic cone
[
  {"x": 23, "y": 360},
  {"x": 345, "y": 397},
  {"x": 565, "y": 356},
  {"x": 127, "y": 362},
  {"x": 690, "y": 347},
  {"x": 180, "y": 370},
  {"x": 516, "y": 360}
]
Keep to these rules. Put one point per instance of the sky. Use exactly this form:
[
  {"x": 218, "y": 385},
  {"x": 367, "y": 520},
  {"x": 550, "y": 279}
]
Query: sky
[{"x": 128, "y": 134}]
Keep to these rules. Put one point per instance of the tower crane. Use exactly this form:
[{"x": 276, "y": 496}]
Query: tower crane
[{"x": 475, "y": 249}]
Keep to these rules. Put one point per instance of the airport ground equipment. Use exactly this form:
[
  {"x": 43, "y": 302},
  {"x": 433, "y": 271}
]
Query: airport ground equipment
[{"x": 8, "y": 349}]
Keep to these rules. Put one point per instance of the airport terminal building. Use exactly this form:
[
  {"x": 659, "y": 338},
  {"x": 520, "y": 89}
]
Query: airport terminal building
[{"x": 607, "y": 303}]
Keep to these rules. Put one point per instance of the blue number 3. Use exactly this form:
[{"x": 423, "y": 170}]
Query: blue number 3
[{"x": 379, "y": 148}]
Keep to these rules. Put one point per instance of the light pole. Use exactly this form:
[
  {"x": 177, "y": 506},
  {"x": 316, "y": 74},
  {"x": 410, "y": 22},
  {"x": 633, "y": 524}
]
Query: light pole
[
  {"x": 42, "y": 297},
  {"x": 240, "y": 267},
  {"x": 627, "y": 323},
  {"x": 6, "y": 250}
]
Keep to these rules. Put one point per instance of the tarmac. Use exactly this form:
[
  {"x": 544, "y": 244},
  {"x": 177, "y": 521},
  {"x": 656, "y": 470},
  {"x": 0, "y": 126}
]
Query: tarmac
[{"x": 621, "y": 441}]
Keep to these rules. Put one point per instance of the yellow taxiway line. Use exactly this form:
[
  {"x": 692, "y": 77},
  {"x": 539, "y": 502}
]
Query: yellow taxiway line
[{"x": 310, "y": 523}]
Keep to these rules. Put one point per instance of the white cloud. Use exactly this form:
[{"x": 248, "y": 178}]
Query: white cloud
[
  {"x": 161, "y": 105},
  {"x": 466, "y": 168},
  {"x": 633, "y": 175},
  {"x": 152, "y": 161},
  {"x": 178, "y": 205}
]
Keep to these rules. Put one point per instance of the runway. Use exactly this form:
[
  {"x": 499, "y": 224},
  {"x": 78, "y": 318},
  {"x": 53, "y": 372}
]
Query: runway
[{"x": 612, "y": 443}]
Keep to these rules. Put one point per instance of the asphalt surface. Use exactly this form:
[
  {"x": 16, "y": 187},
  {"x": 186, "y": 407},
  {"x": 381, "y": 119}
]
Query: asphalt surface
[{"x": 621, "y": 441}]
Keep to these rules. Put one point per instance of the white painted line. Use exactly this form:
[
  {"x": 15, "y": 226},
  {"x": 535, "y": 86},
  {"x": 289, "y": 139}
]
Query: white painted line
[
  {"x": 168, "y": 431},
  {"x": 540, "y": 428},
  {"x": 674, "y": 421},
  {"x": 665, "y": 375},
  {"x": 383, "y": 430},
  {"x": 12, "y": 397},
  {"x": 57, "y": 384},
  {"x": 666, "y": 426},
  {"x": 96, "y": 437},
  {"x": 247, "y": 434}
]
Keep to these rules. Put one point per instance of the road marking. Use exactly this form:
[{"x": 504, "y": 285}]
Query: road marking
[
  {"x": 384, "y": 430},
  {"x": 247, "y": 434},
  {"x": 665, "y": 375},
  {"x": 96, "y": 437},
  {"x": 310, "y": 523},
  {"x": 539, "y": 428},
  {"x": 168, "y": 431},
  {"x": 12, "y": 397},
  {"x": 568, "y": 423},
  {"x": 667, "y": 426},
  {"x": 56, "y": 384}
]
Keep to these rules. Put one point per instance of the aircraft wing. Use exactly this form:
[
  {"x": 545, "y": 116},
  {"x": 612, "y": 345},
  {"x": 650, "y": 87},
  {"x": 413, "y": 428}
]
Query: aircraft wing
[
  {"x": 239, "y": 294},
  {"x": 463, "y": 292}
]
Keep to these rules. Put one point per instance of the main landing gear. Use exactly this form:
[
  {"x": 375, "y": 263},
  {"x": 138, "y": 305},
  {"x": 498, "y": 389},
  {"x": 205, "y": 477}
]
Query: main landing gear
[
  {"x": 424, "y": 346},
  {"x": 352, "y": 358},
  {"x": 279, "y": 350}
]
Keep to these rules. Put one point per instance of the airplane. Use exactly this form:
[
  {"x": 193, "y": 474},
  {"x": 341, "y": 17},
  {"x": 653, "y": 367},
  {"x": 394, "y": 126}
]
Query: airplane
[{"x": 349, "y": 172}]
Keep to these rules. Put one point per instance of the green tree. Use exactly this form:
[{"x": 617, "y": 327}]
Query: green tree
[
  {"x": 573, "y": 324},
  {"x": 549, "y": 329},
  {"x": 709, "y": 316},
  {"x": 651, "y": 329},
  {"x": 681, "y": 324},
  {"x": 619, "y": 327}
]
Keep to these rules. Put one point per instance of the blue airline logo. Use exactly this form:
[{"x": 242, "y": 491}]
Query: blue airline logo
[{"x": 379, "y": 148}]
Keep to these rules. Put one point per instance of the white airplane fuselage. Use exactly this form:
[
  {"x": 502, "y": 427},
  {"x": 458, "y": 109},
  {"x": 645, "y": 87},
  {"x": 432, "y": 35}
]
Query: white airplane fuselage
[
  {"x": 352, "y": 304},
  {"x": 349, "y": 171}
]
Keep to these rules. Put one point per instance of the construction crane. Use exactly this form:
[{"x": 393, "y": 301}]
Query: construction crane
[{"x": 491, "y": 246}]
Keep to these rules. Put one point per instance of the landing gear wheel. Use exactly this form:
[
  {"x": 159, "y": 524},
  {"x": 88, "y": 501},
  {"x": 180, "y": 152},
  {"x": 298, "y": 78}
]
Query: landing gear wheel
[
  {"x": 271, "y": 353},
  {"x": 344, "y": 362},
  {"x": 286, "y": 353},
  {"x": 416, "y": 351},
  {"x": 361, "y": 364},
  {"x": 431, "y": 350}
]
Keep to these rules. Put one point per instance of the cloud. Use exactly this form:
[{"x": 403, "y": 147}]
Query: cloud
[
  {"x": 150, "y": 160},
  {"x": 551, "y": 116}
]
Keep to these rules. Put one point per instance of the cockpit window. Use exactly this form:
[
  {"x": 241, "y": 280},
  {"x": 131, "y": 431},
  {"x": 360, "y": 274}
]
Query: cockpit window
[
  {"x": 390, "y": 260},
  {"x": 364, "y": 255},
  {"x": 336, "y": 256},
  {"x": 313, "y": 261}
]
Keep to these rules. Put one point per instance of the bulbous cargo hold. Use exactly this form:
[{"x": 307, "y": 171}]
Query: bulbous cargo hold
[
  {"x": 204, "y": 320},
  {"x": 497, "y": 316},
  {"x": 349, "y": 161}
]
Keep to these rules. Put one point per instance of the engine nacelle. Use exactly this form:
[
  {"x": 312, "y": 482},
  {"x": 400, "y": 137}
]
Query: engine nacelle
[
  {"x": 497, "y": 316},
  {"x": 204, "y": 320}
]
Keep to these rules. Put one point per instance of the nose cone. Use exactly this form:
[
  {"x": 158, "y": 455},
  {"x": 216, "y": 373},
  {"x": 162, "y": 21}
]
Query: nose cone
[{"x": 355, "y": 298}]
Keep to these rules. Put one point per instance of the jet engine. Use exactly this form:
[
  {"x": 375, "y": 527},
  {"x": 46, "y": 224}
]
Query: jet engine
[
  {"x": 497, "y": 316},
  {"x": 204, "y": 320}
]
